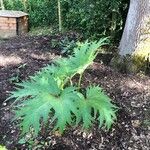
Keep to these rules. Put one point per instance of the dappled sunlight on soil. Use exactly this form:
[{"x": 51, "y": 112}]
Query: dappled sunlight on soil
[
  {"x": 9, "y": 60},
  {"x": 136, "y": 85},
  {"x": 44, "y": 56}
]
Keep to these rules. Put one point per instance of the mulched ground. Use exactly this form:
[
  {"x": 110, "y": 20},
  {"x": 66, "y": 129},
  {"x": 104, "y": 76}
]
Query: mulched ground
[{"x": 23, "y": 56}]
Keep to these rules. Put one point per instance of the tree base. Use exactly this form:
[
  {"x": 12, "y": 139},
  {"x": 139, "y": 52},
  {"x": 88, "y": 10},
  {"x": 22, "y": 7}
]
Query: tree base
[{"x": 131, "y": 64}]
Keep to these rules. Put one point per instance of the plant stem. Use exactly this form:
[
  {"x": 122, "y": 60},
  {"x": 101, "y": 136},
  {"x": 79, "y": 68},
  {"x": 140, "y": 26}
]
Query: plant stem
[
  {"x": 71, "y": 82},
  {"x": 80, "y": 78}
]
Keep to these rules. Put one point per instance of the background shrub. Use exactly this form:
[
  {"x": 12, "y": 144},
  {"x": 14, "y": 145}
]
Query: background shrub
[
  {"x": 41, "y": 12},
  {"x": 92, "y": 18}
]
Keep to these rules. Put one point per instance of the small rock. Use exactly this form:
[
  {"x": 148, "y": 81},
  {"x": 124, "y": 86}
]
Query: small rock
[
  {"x": 135, "y": 123},
  {"x": 84, "y": 135}
]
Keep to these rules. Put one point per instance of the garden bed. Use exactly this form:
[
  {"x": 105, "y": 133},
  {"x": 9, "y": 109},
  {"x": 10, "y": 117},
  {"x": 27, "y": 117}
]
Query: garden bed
[{"x": 23, "y": 56}]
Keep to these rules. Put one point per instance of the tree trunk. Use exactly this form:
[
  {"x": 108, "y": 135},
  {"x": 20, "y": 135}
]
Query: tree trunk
[{"x": 136, "y": 35}]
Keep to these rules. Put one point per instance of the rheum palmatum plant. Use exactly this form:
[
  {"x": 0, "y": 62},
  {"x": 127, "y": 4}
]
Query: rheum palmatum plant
[{"x": 51, "y": 96}]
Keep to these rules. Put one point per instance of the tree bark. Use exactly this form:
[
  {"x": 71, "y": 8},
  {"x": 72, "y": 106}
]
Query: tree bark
[{"x": 136, "y": 35}]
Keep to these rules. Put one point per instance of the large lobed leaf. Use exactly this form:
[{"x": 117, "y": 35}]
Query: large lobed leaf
[
  {"x": 42, "y": 98},
  {"x": 65, "y": 68},
  {"x": 36, "y": 86},
  {"x": 84, "y": 55},
  {"x": 99, "y": 102}
]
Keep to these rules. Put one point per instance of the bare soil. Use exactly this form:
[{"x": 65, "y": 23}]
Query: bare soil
[{"x": 23, "y": 56}]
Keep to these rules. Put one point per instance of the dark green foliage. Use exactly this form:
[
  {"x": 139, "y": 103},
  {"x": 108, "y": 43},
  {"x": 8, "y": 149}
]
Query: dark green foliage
[
  {"x": 67, "y": 45},
  {"x": 13, "y": 5},
  {"x": 41, "y": 12},
  {"x": 49, "y": 96},
  {"x": 95, "y": 18},
  {"x": 91, "y": 18}
]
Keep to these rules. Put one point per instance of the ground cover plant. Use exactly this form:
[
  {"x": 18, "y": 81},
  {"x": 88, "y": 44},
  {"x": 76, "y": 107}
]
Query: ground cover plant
[{"x": 51, "y": 95}]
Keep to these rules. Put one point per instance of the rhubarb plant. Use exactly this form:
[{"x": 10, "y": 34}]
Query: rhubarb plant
[{"x": 50, "y": 96}]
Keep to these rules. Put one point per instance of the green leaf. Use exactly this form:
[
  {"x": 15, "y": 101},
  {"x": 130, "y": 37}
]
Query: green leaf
[
  {"x": 103, "y": 108},
  {"x": 65, "y": 107},
  {"x": 84, "y": 56},
  {"x": 2, "y": 148},
  {"x": 85, "y": 113},
  {"x": 22, "y": 141},
  {"x": 34, "y": 87},
  {"x": 43, "y": 97},
  {"x": 63, "y": 69}
]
